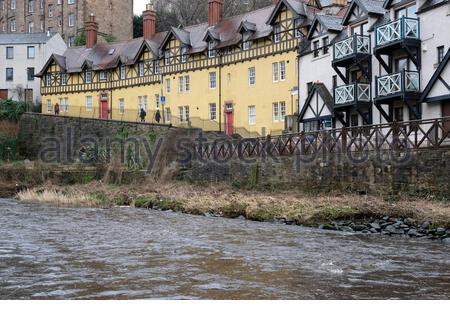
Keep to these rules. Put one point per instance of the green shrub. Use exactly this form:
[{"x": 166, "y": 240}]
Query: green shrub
[
  {"x": 145, "y": 201},
  {"x": 8, "y": 148},
  {"x": 12, "y": 110}
]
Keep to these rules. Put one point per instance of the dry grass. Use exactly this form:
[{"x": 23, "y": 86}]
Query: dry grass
[
  {"x": 79, "y": 198},
  {"x": 292, "y": 205}
]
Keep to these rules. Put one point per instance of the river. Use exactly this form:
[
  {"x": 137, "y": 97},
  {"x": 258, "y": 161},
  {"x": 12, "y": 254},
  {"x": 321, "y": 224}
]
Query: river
[{"x": 127, "y": 253}]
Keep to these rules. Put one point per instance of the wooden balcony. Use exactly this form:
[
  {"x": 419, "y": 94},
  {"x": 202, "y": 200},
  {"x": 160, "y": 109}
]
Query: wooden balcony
[
  {"x": 403, "y": 33},
  {"x": 353, "y": 95},
  {"x": 404, "y": 85},
  {"x": 351, "y": 50}
]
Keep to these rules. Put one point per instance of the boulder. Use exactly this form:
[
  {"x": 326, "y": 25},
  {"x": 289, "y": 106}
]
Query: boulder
[
  {"x": 393, "y": 230},
  {"x": 375, "y": 226},
  {"x": 359, "y": 227}
]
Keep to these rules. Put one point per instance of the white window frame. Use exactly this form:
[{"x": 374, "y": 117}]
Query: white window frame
[
  {"x": 102, "y": 76},
  {"x": 121, "y": 105},
  {"x": 168, "y": 88},
  {"x": 123, "y": 72},
  {"x": 63, "y": 78},
  {"x": 187, "y": 115},
  {"x": 276, "y": 112},
  {"x": 277, "y": 33},
  {"x": 180, "y": 84},
  {"x": 140, "y": 104},
  {"x": 71, "y": 20},
  {"x": 184, "y": 54},
  {"x": 275, "y": 71},
  {"x": 167, "y": 58},
  {"x": 251, "y": 76},
  {"x": 89, "y": 104},
  {"x": 88, "y": 77},
  {"x": 49, "y": 106},
  {"x": 211, "y": 50},
  {"x": 33, "y": 50},
  {"x": 48, "y": 80},
  {"x": 187, "y": 83},
  {"x": 282, "y": 70},
  {"x": 66, "y": 104},
  {"x": 252, "y": 115},
  {"x": 212, "y": 80},
  {"x": 282, "y": 111},
  {"x": 212, "y": 112},
  {"x": 180, "y": 114},
  {"x": 141, "y": 69}
]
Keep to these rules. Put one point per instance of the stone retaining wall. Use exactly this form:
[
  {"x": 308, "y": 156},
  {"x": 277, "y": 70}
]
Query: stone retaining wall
[{"x": 422, "y": 173}]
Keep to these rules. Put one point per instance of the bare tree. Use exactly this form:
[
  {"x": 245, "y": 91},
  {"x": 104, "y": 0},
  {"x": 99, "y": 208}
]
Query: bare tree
[{"x": 189, "y": 12}]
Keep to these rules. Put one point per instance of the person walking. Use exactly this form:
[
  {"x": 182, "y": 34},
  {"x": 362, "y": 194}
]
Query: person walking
[
  {"x": 57, "y": 109},
  {"x": 158, "y": 116},
  {"x": 142, "y": 115}
]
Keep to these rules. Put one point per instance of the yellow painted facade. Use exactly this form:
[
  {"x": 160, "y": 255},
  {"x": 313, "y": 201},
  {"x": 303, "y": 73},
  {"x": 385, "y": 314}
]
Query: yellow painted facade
[{"x": 191, "y": 88}]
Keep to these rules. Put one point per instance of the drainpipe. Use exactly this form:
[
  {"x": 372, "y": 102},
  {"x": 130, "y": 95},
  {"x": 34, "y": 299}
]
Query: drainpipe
[{"x": 220, "y": 93}]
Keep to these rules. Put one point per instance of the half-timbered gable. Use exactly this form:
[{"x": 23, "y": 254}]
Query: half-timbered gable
[
  {"x": 438, "y": 89},
  {"x": 317, "y": 112}
]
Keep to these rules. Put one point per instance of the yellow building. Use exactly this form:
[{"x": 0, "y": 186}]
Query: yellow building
[{"x": 236, "y": 75}]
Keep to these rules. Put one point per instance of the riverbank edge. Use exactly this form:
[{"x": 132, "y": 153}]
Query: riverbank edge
[{"x": 416, "y": 218}]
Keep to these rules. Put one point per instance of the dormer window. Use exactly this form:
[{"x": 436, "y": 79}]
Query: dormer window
[
  {"x": 184, "y": 54},
  {"x": 63, "y": 78},
  {"x": 156, "y": 67},
  {"x": 247, "y": 45},
  {"x": 102, "y": 76},
  {"x": 123, "y": 72},
  {"x": 141, "y": 69},
  {"x": 211, "y": 50},
  {"x": 88, "y": 76},
  {"x": 276, "y": 33},
  {"x": 48, "y": 80},
  {"x": 167, "y": 57},
  {"x": 298, "y": 28}
]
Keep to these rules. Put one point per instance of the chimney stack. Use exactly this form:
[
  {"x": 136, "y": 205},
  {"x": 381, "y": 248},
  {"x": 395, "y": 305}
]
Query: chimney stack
[
  {"x": 91, "y": 28},
  {"x": 215, "y": 11},
  {"x": 149, "y": 17}
]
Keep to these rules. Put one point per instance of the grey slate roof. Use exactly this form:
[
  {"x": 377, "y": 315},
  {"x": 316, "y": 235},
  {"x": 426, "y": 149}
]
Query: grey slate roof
[
  {"x": 25, "y": 38},
  {"x": 373, "y": 6},
  {"x": 332, "y": 23}
]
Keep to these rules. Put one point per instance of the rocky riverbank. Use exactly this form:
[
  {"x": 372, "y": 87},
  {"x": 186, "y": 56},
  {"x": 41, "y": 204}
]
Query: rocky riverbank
[{"x": 341, "y": 212}]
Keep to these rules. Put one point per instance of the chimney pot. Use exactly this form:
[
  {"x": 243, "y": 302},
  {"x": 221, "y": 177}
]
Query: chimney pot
[
  {"x": 215, "y": 11},
  {"x": 149, "y": 19},
  {"x": 91, "y": 27}
]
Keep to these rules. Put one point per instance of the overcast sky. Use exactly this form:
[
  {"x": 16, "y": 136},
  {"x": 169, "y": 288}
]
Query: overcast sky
[{"x": 139, "y": 6}]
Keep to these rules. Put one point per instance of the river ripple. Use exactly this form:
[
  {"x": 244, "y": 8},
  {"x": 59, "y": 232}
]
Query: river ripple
[{"x": 126, "y": 253}]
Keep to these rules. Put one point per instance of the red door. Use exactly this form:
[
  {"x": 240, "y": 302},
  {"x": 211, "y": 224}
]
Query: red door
[
  {"x": 104, "y": 109},
  {"x": 229, "y": 123}
]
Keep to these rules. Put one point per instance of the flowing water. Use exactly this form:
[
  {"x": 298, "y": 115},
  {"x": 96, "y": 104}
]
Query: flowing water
[{"x": 125, "y": 253}]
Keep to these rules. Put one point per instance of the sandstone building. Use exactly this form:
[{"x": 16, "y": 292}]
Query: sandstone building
[{"x": 66, "y": 17}]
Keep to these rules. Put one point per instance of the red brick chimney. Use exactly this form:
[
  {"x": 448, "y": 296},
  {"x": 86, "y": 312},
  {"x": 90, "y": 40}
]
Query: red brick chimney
[
  {"x": 149, "y": 17},
  {"x": 91, "y": 28},
  {"x": 215, "y": 11}
]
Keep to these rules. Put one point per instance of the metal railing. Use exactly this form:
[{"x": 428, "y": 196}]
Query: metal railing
[
  {"x": 400, "y": 29},
  {"x": 350, "y": 46},
  {"x": 395, "y": 83},
  {"x": 352, "y": 93},
  {"x": 397, "y": 136}
]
